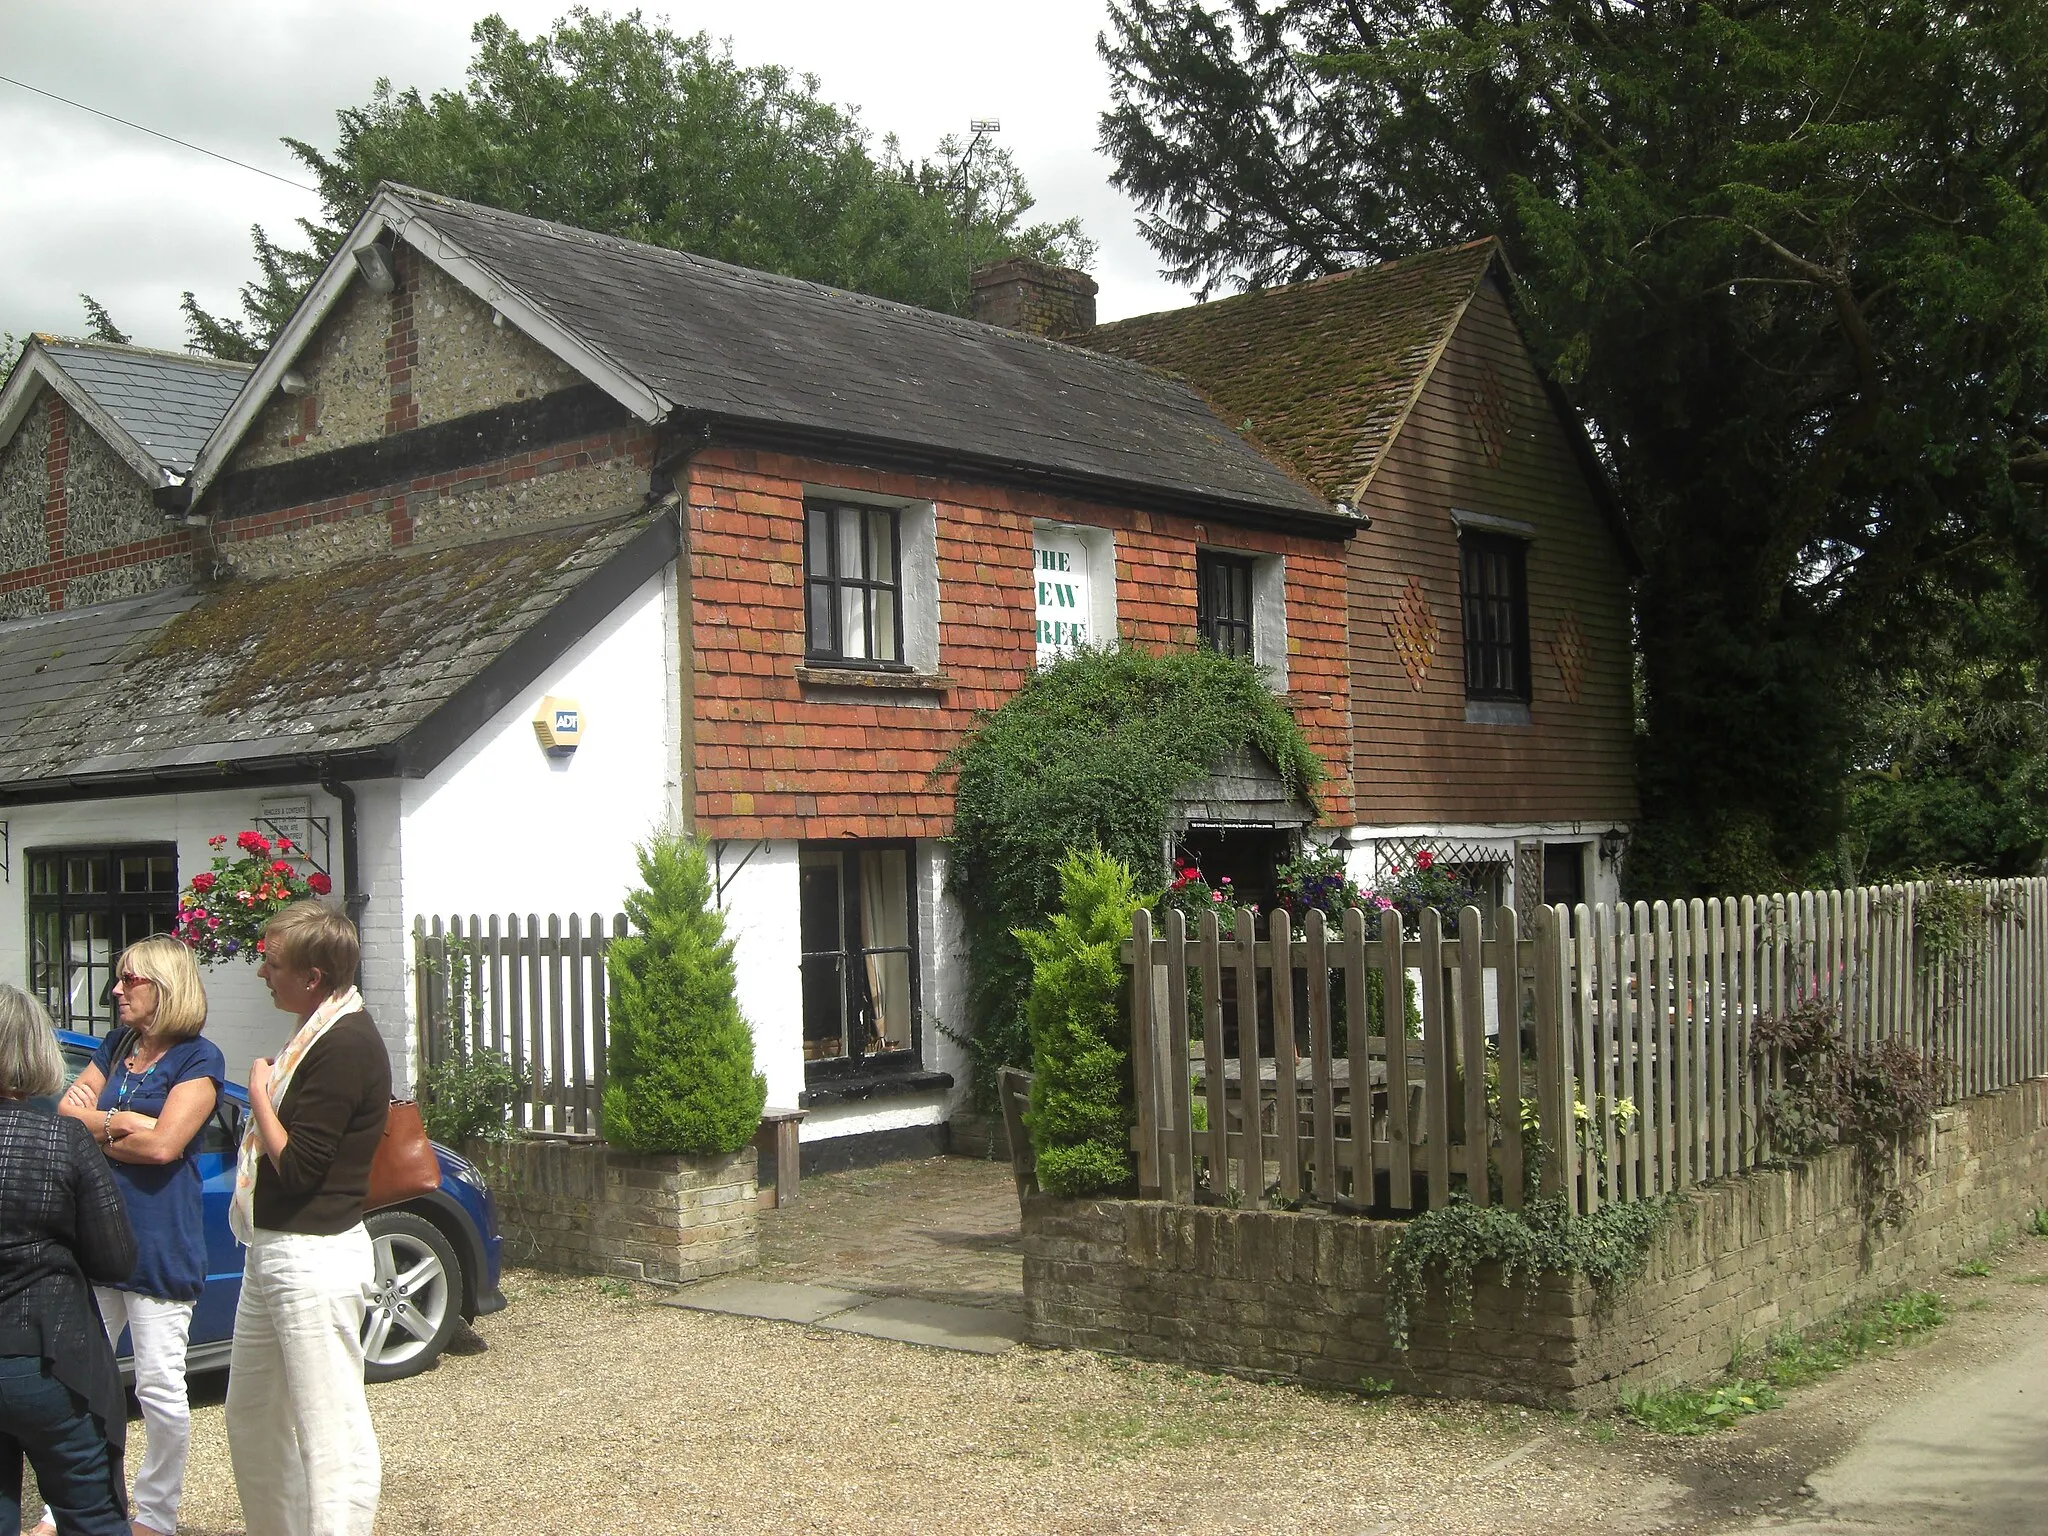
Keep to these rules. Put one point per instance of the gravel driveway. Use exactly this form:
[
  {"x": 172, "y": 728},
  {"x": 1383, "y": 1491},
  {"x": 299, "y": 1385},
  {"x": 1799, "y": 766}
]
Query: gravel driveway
[{"x": 592, "y": 1409}]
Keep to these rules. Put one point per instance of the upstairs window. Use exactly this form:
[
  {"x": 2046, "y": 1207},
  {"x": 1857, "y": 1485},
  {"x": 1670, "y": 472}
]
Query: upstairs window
[
  {"x": 1223, "y": 602},
  {"x": 1496, "y": 590},
  {"x": 86, "y": 905},
  {"x": 853, "y": 584}
]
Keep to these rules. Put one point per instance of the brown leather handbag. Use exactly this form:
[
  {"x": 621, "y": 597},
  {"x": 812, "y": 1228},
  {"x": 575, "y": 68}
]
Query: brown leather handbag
[{"x": 405, "y": 1166}]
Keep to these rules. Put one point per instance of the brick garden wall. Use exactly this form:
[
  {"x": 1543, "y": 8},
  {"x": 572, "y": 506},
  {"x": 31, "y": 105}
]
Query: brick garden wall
[
  {"x": 1302, "y": 1295},
  {"x": 590, "y": 1209}
]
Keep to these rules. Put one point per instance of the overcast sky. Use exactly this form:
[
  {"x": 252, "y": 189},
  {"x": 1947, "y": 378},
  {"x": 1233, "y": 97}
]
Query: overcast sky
[{"x": 134, "y": 221}]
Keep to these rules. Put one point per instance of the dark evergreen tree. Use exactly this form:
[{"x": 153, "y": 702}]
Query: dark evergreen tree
[
  {"x": 1790, "y": 260},
  {"x": 102, "y": 327}
]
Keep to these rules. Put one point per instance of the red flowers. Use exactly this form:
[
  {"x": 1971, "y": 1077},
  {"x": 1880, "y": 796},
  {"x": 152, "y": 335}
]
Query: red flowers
[
  {"x": 222, "y": 911},
  {"x": 1424, "y": 859},
  {"x": 280, "y": 867},
  {"x": 318, "y": 883},
  {"x": 254, "y": 843},
  {"x": 205, "y": 881}
]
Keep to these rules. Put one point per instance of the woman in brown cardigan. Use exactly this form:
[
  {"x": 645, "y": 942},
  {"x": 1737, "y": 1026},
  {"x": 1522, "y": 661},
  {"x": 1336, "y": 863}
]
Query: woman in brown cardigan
[{"x": 299, "y": 1431}]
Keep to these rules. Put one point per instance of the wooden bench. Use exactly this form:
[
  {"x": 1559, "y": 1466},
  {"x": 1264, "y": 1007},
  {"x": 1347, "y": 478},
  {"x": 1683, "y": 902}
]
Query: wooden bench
[{"x": 777, "y": 1138}]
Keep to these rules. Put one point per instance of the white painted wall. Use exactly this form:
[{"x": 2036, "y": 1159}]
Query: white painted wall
[
  {"x": 240, "y": 1018},
  {"x": 760, "y": 906}
]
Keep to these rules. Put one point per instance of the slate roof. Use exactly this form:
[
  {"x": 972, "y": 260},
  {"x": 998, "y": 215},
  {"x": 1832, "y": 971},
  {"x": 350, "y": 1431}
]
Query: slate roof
[
  {"x": 366, "y": 661},
  {"x": 776, "y": 352},
  {"x": 1320, "y": 374},
  {"x": 169, "y": 402}
]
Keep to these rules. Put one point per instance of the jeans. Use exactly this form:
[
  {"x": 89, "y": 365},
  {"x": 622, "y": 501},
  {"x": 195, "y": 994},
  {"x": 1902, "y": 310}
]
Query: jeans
[
  {"x": 299, "y": 1431},
  {"x": 157, "y": 1331},
  {"x": 41, "y": 1418}
]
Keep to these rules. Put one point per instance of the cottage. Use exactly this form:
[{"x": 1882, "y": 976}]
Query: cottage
[
  {"x": 1491, "y": 709},
  {"x": 523, "y": 541}
]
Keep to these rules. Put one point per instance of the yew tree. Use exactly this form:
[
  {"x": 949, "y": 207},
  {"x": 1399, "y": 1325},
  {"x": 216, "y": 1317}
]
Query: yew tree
[{"x": 1786, "y": 256}]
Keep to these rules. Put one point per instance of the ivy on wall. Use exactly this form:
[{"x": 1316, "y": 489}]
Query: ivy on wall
[{"x": 1089, "y": 753}]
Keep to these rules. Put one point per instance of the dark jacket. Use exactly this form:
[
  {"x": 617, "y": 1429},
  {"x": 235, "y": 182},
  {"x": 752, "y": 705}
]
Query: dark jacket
[
  {"x": 333, "y": 1116},
  {"x": 62, "y": 1226}
]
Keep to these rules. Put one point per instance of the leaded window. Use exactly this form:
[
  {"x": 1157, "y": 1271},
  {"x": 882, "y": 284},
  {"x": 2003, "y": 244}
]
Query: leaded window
[
  {"x": 1223, "y": 602},
  {"x": 857, "y": 922},
  {"x": 1496, "y": 587},
  {"x": 86, "y": 905}
]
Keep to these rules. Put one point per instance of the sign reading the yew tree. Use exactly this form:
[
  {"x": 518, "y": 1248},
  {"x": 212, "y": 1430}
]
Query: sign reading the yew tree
[{"x": 1062, "y": 578}]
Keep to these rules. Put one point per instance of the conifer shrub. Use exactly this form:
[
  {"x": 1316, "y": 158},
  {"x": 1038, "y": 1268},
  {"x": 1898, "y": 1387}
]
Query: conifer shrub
[
  {"x": 680, "y": 1071},
  {"x": 1081, "y": 1100},
  {"x": 1088, "y": 753}
]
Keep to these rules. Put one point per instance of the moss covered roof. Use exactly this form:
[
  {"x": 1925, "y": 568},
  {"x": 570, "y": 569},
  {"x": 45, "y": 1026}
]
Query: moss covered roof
[
  {"x": 1319, "y": 374},
  {"x": 350, "y": 660}
]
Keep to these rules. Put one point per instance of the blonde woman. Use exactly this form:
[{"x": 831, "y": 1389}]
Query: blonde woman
[
  {"x": 299, "y": 1431},
  {"x": 145, "y": 1099}
]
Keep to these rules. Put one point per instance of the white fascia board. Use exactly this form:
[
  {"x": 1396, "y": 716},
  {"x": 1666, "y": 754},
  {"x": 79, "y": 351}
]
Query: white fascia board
[
  {"x": 387, "y": 211},
  {"x": 416, "y": 228},
  {"x": 38, "y": 367}
]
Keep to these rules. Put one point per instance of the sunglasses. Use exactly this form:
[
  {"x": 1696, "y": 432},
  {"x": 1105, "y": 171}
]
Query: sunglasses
[{"x": 130, "y": 980}]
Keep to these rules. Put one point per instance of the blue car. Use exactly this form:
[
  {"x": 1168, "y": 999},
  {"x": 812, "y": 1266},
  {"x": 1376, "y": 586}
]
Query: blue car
[{"x": 437, "y": 1256}]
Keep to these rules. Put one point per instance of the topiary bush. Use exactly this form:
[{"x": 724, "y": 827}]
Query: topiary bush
[
  {"x": 1087, "y": 754},
  {"x": 1081, "y": 1106},
  {"x": 680, "y": 1071}
]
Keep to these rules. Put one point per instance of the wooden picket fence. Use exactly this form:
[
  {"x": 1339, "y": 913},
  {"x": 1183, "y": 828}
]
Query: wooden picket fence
[
  {"x": 1628, "y": 1030},
  {"x": 535, "y": 993}
]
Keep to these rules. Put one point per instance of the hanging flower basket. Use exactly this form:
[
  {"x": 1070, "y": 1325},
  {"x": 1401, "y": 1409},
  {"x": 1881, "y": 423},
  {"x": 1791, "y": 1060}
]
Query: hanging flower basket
[{"x": 222, "y": 912}]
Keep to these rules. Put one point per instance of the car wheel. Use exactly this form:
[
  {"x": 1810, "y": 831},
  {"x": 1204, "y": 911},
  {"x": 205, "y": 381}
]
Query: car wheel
[{"x": 415, "y": 1300}]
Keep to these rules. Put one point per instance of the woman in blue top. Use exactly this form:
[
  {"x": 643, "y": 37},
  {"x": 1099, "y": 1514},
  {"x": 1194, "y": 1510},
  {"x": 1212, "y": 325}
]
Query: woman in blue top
[{"x": 145, "y": 1098}]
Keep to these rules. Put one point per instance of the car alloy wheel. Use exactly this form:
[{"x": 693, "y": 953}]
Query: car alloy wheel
[{"x": 414, "y": 1299}]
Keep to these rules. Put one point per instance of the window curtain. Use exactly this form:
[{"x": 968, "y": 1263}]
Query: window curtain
[{"x": 885, "y": 925}]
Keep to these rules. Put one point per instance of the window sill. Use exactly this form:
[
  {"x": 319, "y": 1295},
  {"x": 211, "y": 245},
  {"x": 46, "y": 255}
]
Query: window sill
[
  {"x": 1497, "y": 712},
  {"x": 872, "y": 1085},
  {"x": 873, "y": 680}
]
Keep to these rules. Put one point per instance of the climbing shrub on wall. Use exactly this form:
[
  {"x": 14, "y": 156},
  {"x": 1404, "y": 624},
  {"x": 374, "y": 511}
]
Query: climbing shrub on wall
[
  {"x": 1087, "y": 754},
  {"x": 1081, "y": 1106}
]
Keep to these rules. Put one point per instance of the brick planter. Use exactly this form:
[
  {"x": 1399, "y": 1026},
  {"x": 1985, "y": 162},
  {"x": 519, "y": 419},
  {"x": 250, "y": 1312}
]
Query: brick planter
[
  {"x": 588, "y": 1209},
  {"x": 1302, "y": 1295}
]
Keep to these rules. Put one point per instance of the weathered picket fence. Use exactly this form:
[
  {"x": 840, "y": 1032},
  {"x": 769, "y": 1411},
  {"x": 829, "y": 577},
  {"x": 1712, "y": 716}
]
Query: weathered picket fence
[
  {"x": 1614, "y": 1044},
  {"x": 535, "y": 992}
]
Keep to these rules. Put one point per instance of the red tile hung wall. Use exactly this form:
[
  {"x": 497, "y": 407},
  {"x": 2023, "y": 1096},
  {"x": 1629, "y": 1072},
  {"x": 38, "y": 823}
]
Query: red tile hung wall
[{"x": 772, "y": 762}]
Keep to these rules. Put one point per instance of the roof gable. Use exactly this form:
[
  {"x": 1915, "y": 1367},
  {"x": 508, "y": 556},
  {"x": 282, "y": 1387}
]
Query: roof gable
[
  {"x": 666, "y": 333},
  {"x": 1320, "y": 374},
  {"x": 155, "y": 409}
]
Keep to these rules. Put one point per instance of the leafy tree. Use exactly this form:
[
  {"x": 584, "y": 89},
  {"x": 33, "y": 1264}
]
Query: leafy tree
[
  {"x": 1788, "y": 258},
  {"x": 635, "y": 130},
  {"x": 680, "y": 1072},
  {"x": 102, "y": 323},
  {"x": 1081, "y": 1095}
]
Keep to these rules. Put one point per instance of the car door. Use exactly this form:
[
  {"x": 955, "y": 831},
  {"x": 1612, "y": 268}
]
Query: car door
[{"x": 213, "y": 1319}]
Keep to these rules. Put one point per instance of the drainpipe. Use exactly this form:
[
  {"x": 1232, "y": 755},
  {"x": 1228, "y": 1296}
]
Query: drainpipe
[{"x": 355, "y": 899}]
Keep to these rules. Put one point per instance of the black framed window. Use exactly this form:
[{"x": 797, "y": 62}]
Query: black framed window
[
  {"x": 1223, "y": 601},
  {"x": 857, "y": 920},
  {"x": 853, "y": 583},
  {"x": 1496, "y": 586},
  {"x": 86, "y": 905}
]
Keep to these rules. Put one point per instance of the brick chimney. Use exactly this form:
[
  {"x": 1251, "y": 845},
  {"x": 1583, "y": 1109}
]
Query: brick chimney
[{"x": 1021, "y": 294}]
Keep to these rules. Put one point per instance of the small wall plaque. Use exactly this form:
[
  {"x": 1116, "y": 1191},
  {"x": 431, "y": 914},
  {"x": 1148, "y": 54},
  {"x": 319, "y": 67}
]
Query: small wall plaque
[{"x": 559, "y": 725}]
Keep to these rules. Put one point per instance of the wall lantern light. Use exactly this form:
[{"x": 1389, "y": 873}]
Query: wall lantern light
[
  {"x": 375, "y": 264},
  {"x": 558, "y": 726},
  {"x": 1613, "y": 844}
]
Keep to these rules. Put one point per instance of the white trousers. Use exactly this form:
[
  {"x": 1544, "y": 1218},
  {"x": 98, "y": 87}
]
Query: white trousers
[
  {"x": 299, "y": 1431},
  {"x": 157, "y": 1331}
]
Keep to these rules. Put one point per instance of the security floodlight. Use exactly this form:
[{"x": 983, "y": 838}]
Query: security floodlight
[
  {"x": 985, "y": 125},
  {"x": 375, "y": 264}
]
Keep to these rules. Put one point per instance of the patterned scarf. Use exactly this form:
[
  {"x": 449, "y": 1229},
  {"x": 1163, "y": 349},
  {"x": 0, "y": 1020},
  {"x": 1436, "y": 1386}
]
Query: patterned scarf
[{"x": 242, "y": 1208}]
